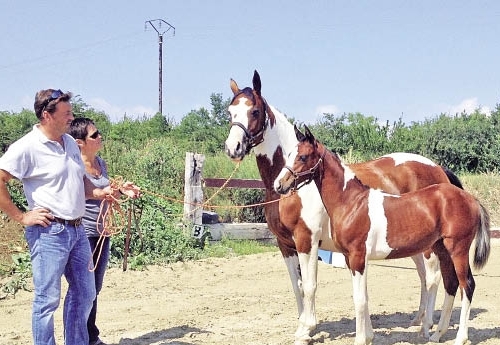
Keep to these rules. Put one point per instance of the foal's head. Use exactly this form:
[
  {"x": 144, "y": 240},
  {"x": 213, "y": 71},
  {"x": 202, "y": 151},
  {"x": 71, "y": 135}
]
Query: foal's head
[
  {"x": 249, "y": 119},
  {"x": 301, "y": 165}
]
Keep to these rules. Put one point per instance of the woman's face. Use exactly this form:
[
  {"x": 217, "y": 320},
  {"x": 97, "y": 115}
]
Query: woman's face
[{"x": 93, "y": 141}]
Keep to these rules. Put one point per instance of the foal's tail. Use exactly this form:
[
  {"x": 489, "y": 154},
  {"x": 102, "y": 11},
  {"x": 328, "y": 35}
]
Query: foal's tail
[
  {"x": 482, "y": 251},
  {"x": 454, "y": 180}
]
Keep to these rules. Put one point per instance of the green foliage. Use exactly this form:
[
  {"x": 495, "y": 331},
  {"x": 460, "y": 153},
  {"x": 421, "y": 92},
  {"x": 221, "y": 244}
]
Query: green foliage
[
  {"x": 465, "y": 142},
  {"x": 16, "y": 191},
  {"x": 353, "y": 132},
  {"x": 154, "y": 238},
  {"x": 19, "y": 273},
  {"x": 13, "y": 126},
  {"x": 151, "y": 152},
  {"x": 204, "y": 131}
]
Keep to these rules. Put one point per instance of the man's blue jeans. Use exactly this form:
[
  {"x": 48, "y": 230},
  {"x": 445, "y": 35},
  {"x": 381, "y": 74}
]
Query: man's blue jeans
[{"x": 58, "y": 250}]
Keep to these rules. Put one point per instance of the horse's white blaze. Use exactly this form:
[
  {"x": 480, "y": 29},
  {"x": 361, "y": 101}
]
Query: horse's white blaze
[
  {"x": 403, "y": 157},
  {"x": 238, "y": 114},
  {"x": 348, "y": 174},
  {"x": 376, "y": 242}
]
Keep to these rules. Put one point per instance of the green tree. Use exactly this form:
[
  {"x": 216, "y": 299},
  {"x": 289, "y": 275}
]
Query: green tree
[{"x": 13, "y": 126}]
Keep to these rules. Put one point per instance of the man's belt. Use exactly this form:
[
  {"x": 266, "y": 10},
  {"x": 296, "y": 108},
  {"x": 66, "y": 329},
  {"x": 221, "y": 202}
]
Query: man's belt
[{"x": 72, "y": 222}]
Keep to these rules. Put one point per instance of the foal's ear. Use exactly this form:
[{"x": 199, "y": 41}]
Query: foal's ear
[
  {"x": 256, "y": 82},
  {"x": 234, "y": 87},
  {"x": 298, "y": 134},
  {"x": 309, "y": 135}
]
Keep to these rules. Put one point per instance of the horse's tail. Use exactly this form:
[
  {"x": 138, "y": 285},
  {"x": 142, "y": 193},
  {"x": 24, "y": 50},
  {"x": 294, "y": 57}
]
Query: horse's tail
[
  {"x": 454, "y": 180},
  {"x": 482, "y": 251}
]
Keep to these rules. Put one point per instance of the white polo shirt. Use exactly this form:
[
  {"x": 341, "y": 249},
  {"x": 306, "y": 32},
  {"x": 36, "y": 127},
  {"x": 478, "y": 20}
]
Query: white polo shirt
[{"x": 52, "y": 176}]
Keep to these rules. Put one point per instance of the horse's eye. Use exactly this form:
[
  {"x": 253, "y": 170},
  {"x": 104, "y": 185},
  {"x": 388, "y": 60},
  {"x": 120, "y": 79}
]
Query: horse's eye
[
  {"x": 255, "y": 113},
  {"x": 303, "y": 158}
]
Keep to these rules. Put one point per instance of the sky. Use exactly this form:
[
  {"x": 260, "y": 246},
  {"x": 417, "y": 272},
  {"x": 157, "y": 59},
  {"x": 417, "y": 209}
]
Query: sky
[{"x": 387, "y": 59}]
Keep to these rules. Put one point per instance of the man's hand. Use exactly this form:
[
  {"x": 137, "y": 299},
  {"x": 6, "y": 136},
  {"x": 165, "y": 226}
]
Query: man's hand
[{"x": 39, "y": 216}]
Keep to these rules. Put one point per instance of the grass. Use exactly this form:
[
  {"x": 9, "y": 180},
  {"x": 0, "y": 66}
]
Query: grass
[
  {"x": 486, "y": 188},
  {"x": 226, "y": 248}
]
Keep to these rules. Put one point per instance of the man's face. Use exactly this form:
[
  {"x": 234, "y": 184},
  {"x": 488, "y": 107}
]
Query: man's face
[{"x": 61, "y": 118}]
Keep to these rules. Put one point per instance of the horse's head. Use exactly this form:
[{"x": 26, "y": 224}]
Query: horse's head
[
  {"x": 249, "y": 119},
  {"x": 301, "y": 165}
]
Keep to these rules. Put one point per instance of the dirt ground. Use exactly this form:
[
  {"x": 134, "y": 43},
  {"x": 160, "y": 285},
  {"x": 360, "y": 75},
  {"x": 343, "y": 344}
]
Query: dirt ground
[{"x": 249, "y": 300}]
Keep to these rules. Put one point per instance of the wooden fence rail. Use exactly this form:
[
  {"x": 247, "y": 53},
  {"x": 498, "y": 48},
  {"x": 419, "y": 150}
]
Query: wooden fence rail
[{"x": 193, "y": 196}]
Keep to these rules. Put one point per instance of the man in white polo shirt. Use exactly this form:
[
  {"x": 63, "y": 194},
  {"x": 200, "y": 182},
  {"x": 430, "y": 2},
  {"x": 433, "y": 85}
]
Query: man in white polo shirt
[{"x": 48, "y": 163}]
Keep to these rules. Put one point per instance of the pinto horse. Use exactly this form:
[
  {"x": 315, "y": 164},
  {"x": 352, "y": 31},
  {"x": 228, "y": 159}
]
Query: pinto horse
[
  {"x": 369, "y": 224},
  {"x": 300, "y": 223}
]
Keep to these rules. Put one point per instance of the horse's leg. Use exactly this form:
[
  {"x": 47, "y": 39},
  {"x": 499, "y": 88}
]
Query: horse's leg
[
  {"x": 467, "y": 292},
  {"x": 364, "y": 330},
  {"x": 293, "y": 266},
  {"x": 450, "y": 282},
  {"x": 307, "y": 319},
  {"x": 432, "y": 278},
  {"x": 419, "y": 263}
]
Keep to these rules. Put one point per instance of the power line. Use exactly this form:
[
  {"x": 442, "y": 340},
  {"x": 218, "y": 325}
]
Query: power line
[{"x": 161, "y": 27}]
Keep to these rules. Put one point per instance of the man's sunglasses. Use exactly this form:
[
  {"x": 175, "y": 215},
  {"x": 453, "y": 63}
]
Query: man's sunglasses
[
  {"x": 53, "y": 96},
  {"x": 95, "y": 135}
]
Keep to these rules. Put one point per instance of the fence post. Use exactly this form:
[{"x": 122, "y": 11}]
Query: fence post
[{"x": 193, "y": 192}]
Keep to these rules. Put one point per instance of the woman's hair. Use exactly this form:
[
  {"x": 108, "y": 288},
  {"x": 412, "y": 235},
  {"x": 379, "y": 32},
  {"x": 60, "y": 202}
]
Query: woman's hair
[
  {"x": 78, "y": 128},
  {"x": 46, "y": 100}
]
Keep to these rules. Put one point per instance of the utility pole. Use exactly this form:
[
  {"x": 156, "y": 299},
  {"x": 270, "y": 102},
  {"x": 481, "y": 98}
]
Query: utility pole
[{"x": 161, "y": 27}]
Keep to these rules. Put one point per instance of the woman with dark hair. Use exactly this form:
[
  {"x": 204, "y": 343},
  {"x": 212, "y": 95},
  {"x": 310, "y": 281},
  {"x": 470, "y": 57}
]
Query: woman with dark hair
[{"x": 89, "y": 139}]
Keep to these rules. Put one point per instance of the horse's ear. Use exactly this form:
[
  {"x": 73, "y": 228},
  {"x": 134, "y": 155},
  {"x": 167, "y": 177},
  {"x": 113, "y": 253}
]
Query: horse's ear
[
  {"x": 234, "y": 87},
  {"x": 309, "y": 135},
  {"x": 256, "y": 82},
  {"x": 298, "y": 134}
]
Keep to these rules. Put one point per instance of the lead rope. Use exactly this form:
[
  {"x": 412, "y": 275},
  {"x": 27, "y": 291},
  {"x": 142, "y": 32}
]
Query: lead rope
[
  {"x": 113, "y": 223},
  {"x": 110, "y": 221}
]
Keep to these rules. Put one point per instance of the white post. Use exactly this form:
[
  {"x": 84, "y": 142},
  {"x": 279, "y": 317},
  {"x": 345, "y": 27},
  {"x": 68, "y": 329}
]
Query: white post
[{"x": 193, "y": 193}]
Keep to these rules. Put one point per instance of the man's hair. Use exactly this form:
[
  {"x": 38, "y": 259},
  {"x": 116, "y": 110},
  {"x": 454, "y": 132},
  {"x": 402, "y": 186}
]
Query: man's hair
[
  {"x": 78, "y": 128},
  {"x": 45, "y": 100}
]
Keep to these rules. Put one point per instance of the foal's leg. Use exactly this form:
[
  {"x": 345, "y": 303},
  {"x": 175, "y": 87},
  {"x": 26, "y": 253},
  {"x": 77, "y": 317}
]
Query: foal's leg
[
  {"x": 307, "y": 319},
  {"x": 419, "y": 263},
  {"x": 450, "y": 282},
  {"x": 432, "y": 278},
  {"x": 463, "y": 328},
  {"x": 364, "y": 330}
]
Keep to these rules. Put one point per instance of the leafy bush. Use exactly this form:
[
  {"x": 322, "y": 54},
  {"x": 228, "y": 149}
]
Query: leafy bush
[{"x": 19, "y": 273}]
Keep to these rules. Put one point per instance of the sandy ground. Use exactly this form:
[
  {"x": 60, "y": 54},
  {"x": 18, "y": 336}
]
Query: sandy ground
[{"x": 249, "y": 300}]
